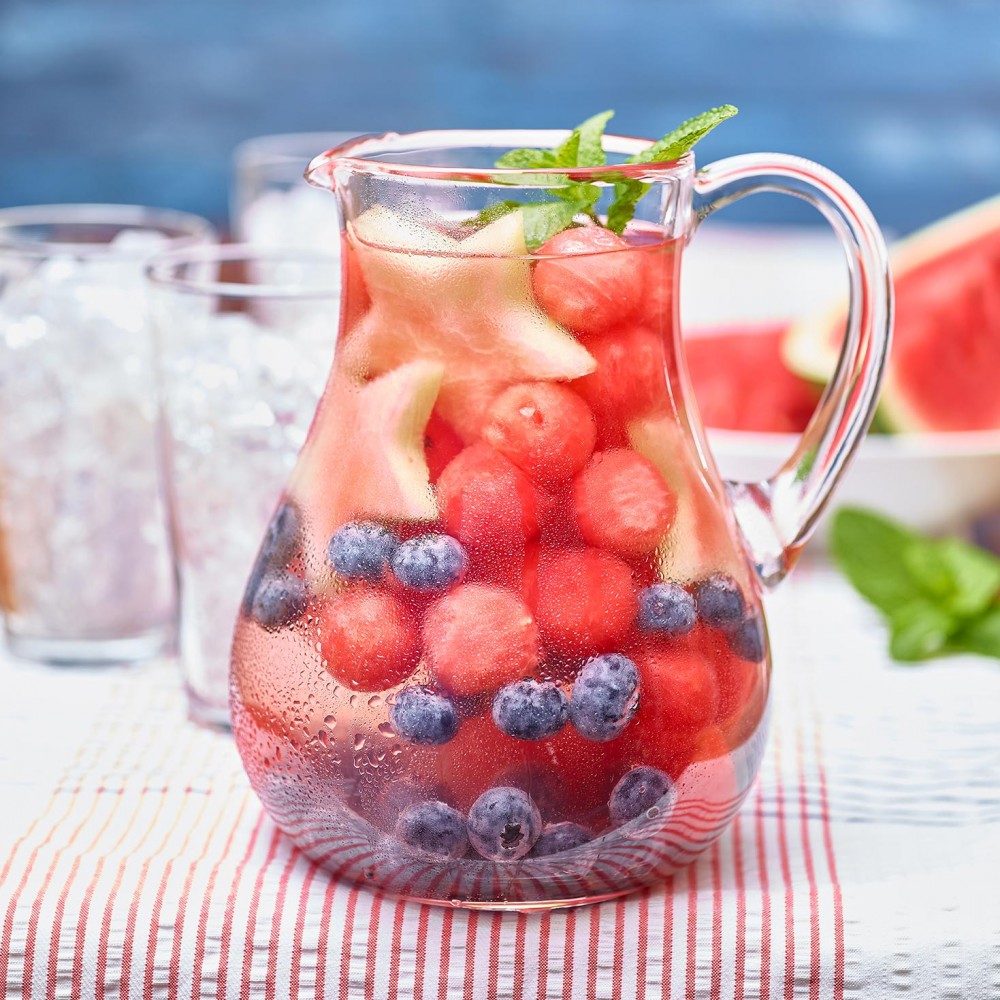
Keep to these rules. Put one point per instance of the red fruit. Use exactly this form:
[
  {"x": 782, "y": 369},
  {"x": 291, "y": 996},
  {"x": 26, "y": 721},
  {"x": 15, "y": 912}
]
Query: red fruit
[
  {"x": 588, "y": 279},
  {"x": 741, "y": 383},
  {"x": 544, "y": 428},
  {"x": 586, "y": 601},
  {"x": 478, "y": 638},
  {"x": 486, "y": 501},
  {"x": 658, "y": 291},
  {"x": 368, "y": 639},
  {"x": 441, "y": 445},
  {"x": 630, "y": 380},
  {"x": 680, "y": 692},
  {"x": 515, "y": 570},
  {"x": 622, "y": 503}
]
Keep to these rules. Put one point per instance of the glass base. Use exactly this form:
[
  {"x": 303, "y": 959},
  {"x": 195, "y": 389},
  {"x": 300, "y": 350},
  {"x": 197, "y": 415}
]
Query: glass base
[
  {"x": 207, "y": 713},
  {"x": 84, "y": 652}
]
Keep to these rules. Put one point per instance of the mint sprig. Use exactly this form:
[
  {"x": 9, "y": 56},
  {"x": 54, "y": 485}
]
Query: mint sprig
[
  {"x": 938, "y": 596},
  {"x": 584, "y": 147}
]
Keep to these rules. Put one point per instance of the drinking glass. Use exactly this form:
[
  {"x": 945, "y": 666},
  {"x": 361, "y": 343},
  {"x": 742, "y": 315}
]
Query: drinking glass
[
  {"x": 272, "y": 205},
  {"x": 243, "y": 341},
  {"x": 81, "y": 510}
]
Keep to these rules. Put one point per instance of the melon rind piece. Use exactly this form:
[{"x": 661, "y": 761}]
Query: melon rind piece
[
  {"x": 365, "y": 453},
  {"x": 700, "y": 541},
  {"x": 466, "y": 304},
  {"x": 811, "y": 346}
]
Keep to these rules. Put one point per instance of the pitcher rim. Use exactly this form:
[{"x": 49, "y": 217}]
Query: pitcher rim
[{"x": 350, "y": 154}]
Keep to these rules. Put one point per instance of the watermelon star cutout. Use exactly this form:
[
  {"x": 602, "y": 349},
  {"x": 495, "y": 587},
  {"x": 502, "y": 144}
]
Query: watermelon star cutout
[
  {"x": 465, "y": 303},
  {"x": 365, "y": 454}
]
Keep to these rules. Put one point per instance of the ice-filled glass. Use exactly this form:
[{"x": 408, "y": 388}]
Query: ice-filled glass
[{"x": 503, "y": 643}]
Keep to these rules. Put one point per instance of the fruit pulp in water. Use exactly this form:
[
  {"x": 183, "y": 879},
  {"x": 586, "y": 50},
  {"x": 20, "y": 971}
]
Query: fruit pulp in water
[{"x": 500, "y": 646}]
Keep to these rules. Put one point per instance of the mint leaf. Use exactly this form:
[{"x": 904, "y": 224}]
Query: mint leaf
[
  {"x": 920, "y": 630},
  {"x": 939, "y": 595},
  {"x": 622, "y": 210},
  {"x": 492, "y": 212},
  {"x": 543, "y": 219},
  {"x": 871, "y": 551},
  {"x": 584, "y": 147},
  {"x": 528, "y": 159},
  {"x": 676, "y": 143},
  {"x": 586, "y": 143},
  {"x": 980, "y": 636}
]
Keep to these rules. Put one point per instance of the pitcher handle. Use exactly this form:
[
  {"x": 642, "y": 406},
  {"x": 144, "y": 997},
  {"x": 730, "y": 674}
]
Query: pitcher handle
[{"x": 777, "y": 515}]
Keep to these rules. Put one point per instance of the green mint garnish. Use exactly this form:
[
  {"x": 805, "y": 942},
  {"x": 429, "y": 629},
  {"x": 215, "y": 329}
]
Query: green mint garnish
[
  {"x": 584, "y": 148},
  {"x": 938, "y": 595}
]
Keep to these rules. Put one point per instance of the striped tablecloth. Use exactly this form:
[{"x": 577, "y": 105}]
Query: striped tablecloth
[{"x": 866, "y": 863}]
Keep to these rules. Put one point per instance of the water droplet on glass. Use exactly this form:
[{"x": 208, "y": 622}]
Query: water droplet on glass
[
  {"x": 652, "y": 812},
  {"x": 374, "y": 701},
  {"x": 331, "y": 721},
  {"x": 353, "y": 701},
  {"x": 386, "y": 729},
  {"x": 359, "y": 741}
]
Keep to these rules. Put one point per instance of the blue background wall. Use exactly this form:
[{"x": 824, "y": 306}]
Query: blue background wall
[{"x": 143, "y": 100}]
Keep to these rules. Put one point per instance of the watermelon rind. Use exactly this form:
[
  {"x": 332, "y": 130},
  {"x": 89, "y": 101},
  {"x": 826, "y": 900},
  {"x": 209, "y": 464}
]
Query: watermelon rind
[{"x": 811, "y": 346}]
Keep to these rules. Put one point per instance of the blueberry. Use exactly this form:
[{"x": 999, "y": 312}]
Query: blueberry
[
  {"x": 281, "y": 541},
  {"x": 361, "y": 550},
  {"x": 640, "y": 789},
  {"x": 559, "y": 837},
  {"x": 504, "y": 824},
  {"x": 280, "y": 600},
  {"x": 605, "y": 697},
  {"x": 747, "y": 640},
  {"x": 666, "y": 607},
  {"x": 430, "y": 562},
  {"x": 530, "y": 709},
  {"x": 433, "y": 828},
  {"x": 719, "y": 601},
  {"x": 424, "y": 716}
]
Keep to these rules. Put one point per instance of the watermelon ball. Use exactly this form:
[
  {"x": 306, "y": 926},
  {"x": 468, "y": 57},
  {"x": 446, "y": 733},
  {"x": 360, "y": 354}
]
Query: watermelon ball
[
  {"x": 530, "y": 709},
  {"x": 486, "y": 501},
  {"x": 746, "y": 640},
  {"x": 605, "y": 697},
  {"x": 478, "y": 638},
  {"x": 280, "y": 600},
  {"x": 424, "y": 716},
  {"x": 666, "y": 608},
  {"x": 504, "y": 824},
  {"x": 586, "y": 601},
  {"x": 622, "y": 503},
  {"x": 441, "y": 445},
  {"x": 429, "y": 562},
  {"x": 680, "y": 690},
  {"x": 544, "y": 428},
  {"x": 361, "y": 550},
  {"x": 588, "y": 279},
  {"x": 433, "y": 828},
  {"x": 368, "y": 639},
  {"x": 559, "y": 837},
  {"x": 630, "y": 381},
  {"x": 642, "y": 789},
  {"x": 720, "y": 601}
]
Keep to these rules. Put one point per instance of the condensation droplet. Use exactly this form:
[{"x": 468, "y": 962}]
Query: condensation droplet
[
  {"x": 652, "y": 812},
  {"x": 331, "y": 721},
  {"x": 359, "y": 741},
  {"x": 374, "y": 701},
  {"x": 386, "y": 729}
]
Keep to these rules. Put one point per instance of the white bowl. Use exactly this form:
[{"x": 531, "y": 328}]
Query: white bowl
[{"x": 932, "y": 482}]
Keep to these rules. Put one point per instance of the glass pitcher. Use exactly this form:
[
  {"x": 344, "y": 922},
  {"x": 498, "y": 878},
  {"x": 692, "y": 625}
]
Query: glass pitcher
[{"x": 503, "y": 644}]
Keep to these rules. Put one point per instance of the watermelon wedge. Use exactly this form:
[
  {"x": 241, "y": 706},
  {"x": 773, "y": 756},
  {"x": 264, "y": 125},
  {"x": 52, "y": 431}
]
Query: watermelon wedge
[
  {"x": 944, "y": 370},
  {"x": 741, "y": 383}
]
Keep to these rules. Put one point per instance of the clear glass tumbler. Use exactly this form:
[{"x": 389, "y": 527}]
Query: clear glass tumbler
[
  {"x": 272, "y": 205},
  {"x": 243, "y": 340},
  {"x": 86, "y": 549}
]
